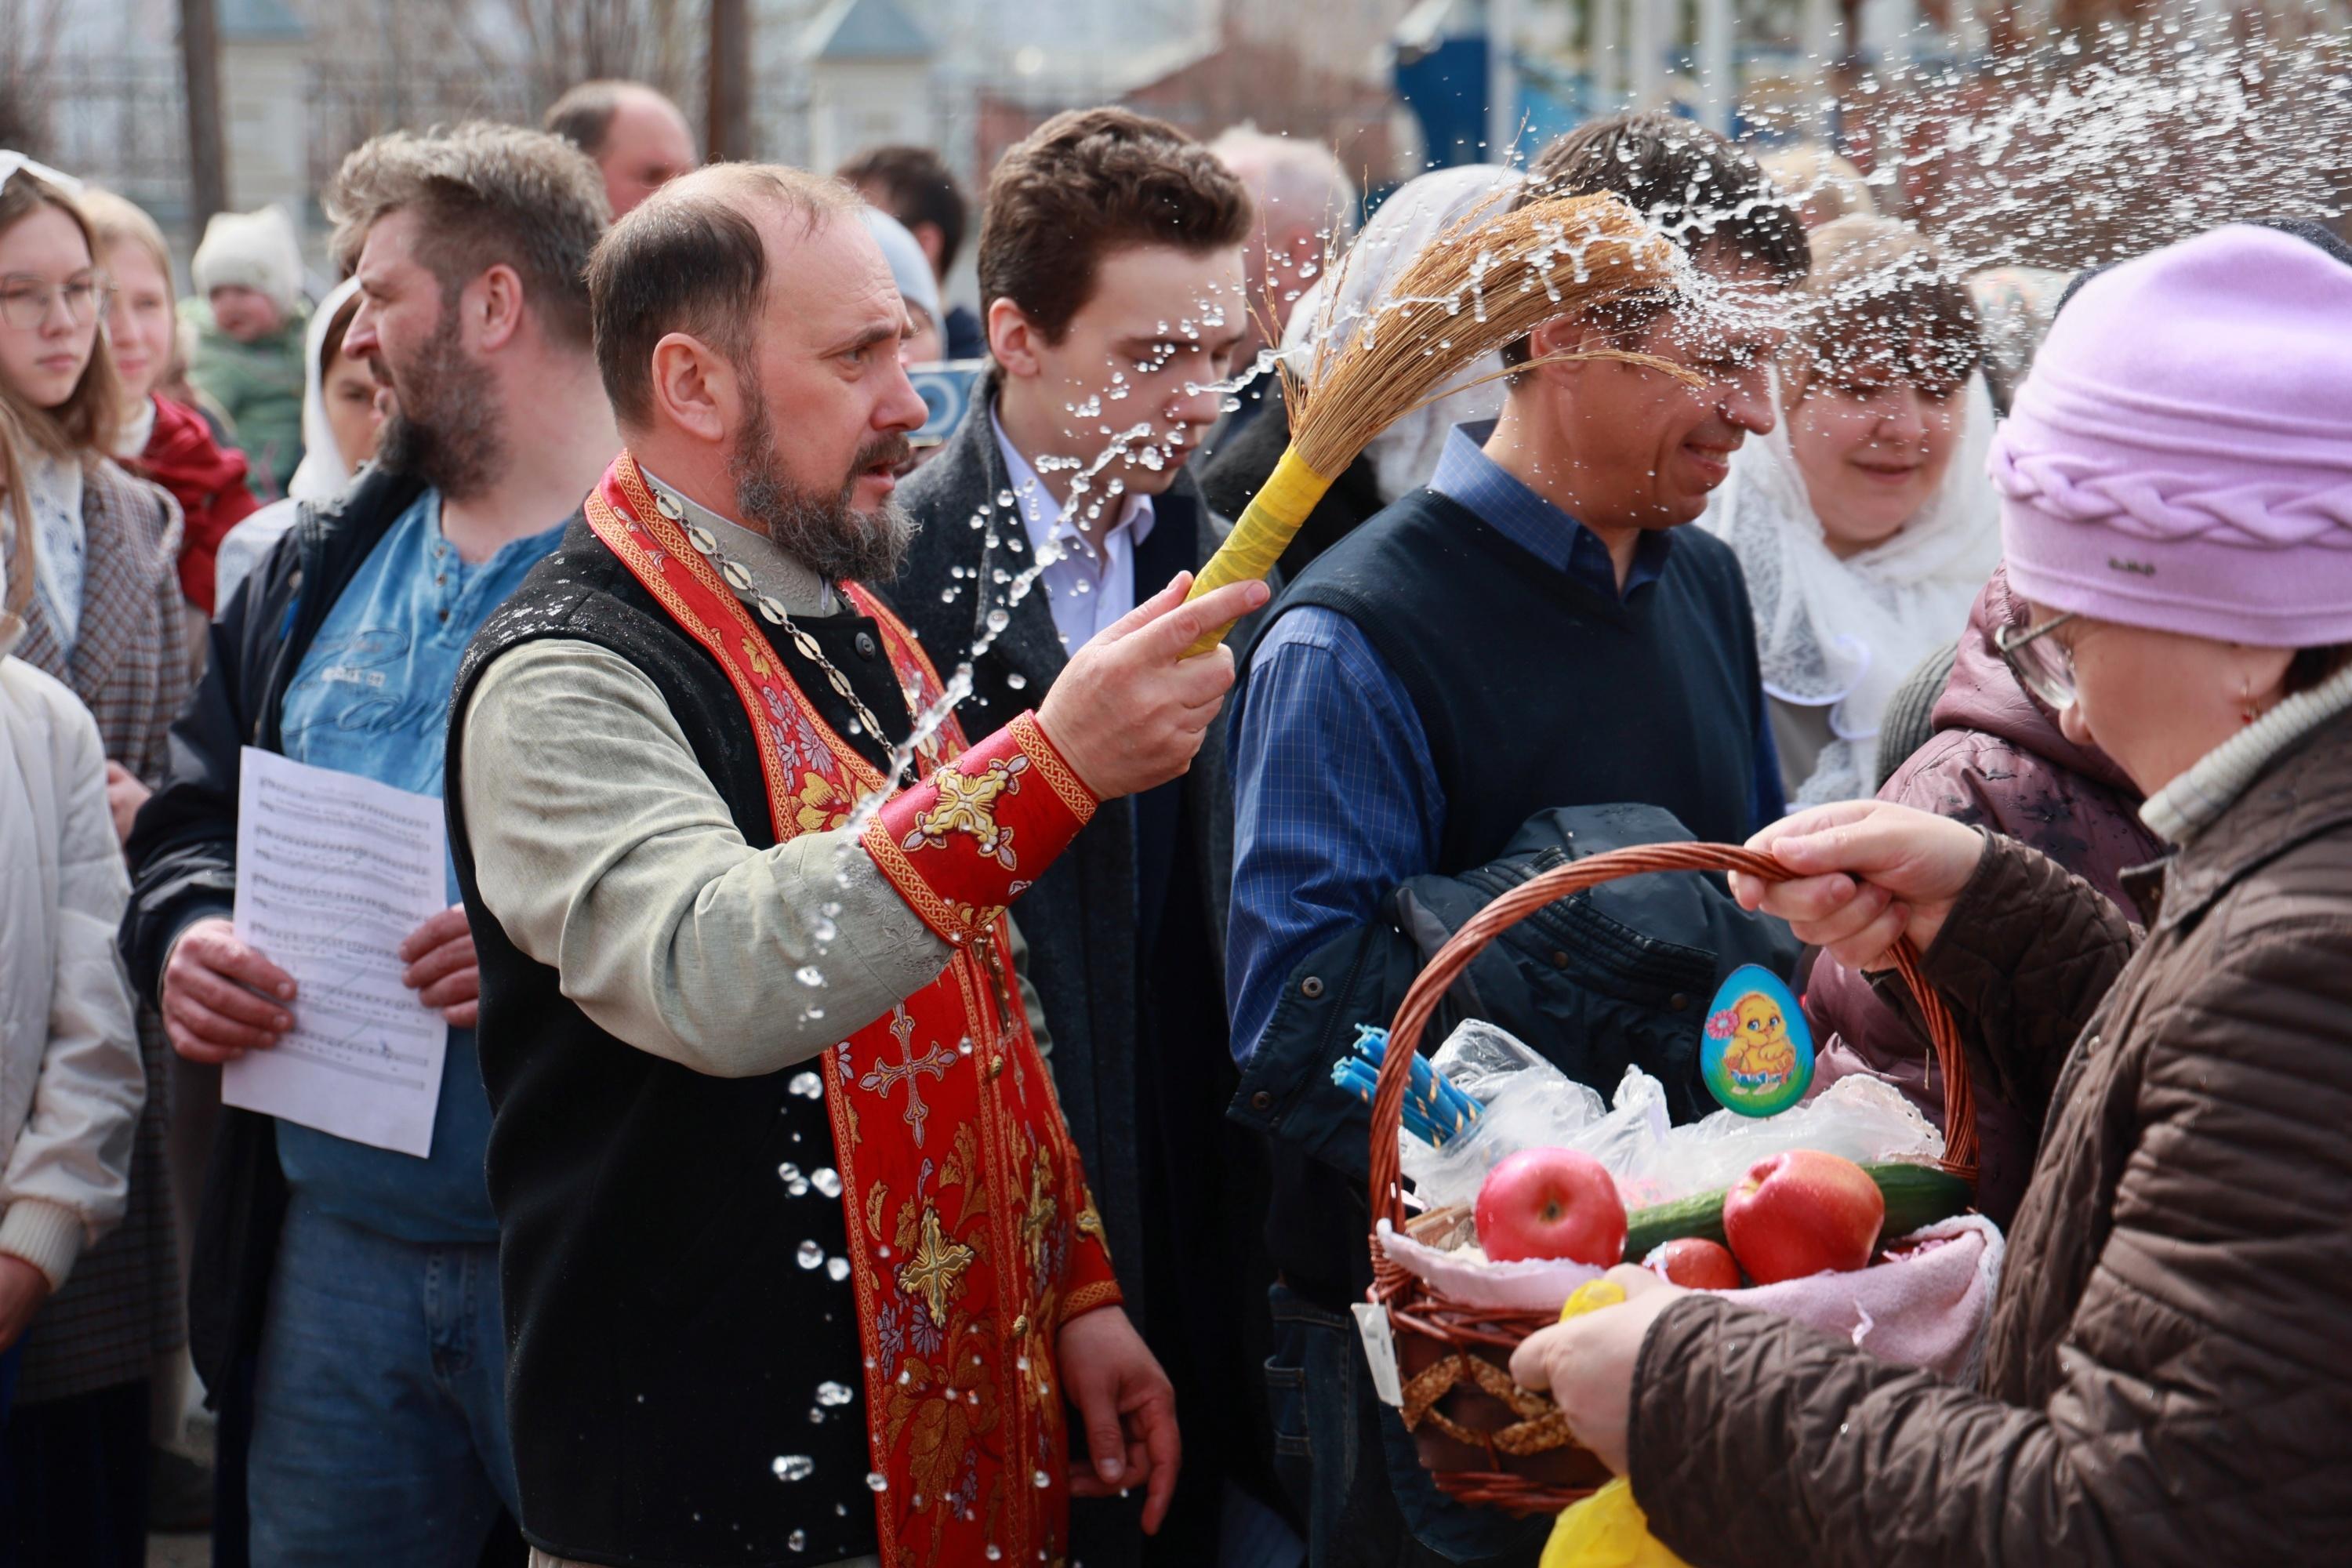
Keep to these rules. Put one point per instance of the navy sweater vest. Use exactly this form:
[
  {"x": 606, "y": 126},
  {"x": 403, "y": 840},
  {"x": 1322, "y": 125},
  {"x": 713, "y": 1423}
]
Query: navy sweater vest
[{"x": 1535, "y": 692}]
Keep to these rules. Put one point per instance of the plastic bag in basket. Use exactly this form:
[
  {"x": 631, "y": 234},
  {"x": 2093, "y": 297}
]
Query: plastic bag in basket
[{"x": 1525, "y": 1102}]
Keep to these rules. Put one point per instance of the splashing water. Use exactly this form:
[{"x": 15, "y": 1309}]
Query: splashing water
[
  {"x": 2119, "y": 140},
  {"x": 2100, "y": 146}
]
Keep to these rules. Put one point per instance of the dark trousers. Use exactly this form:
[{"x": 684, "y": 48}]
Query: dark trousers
[
  {"x": 1348, "y": 1463},
  {"x": 73, "y": 1485}
]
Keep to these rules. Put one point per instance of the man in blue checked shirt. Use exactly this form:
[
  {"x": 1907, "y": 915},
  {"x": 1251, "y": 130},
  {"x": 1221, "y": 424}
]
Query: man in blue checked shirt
[{"x": 1536, "y": 629}]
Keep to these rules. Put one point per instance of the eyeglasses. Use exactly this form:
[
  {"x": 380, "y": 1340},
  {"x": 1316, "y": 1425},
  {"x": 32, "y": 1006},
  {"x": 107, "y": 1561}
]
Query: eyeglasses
[
  {"x": 2042, "y": 664},
  {"x": 25, "y": 298}
]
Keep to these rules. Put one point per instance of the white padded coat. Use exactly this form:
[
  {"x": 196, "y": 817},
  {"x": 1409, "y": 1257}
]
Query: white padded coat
[{"x": 70, "y": 1084}]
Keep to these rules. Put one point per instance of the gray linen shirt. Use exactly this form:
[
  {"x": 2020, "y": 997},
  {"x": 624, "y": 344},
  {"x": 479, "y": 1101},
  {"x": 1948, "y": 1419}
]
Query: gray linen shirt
[{"x": 608, "y": 855}]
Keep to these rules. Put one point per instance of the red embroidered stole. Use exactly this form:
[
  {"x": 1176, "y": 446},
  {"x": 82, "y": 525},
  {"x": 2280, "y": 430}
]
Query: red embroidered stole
[{"x": 971, "y": 1235}]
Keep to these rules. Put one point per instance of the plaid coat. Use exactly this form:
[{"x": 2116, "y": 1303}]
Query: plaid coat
[{"x": 122, "y": 1308}]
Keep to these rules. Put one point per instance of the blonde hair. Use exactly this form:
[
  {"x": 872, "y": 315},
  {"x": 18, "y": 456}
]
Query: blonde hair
[
  {"x": 1819, "y": 183},
  {"x": 86, "y": 422},
  {"x": 116, "y": 220}
]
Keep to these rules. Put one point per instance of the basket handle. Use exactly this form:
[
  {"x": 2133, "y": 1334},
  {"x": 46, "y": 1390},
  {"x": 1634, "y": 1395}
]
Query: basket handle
[{"x": 1430, "y": 987}]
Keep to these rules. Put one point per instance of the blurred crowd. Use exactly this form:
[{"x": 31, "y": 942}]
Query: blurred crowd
[{"x": 1851, "y": 544}]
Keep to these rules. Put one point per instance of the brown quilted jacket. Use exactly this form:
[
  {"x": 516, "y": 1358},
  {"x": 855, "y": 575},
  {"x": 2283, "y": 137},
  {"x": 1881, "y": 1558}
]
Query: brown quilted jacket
[{"x": 2166, "y": 1380}]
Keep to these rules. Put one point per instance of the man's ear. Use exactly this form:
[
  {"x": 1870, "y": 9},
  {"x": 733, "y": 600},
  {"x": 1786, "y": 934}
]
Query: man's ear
[
  {"x": 493, "y": 306},
  {"x": 1564, "y": 334},
  {"x": 1014, "y": 340},
  {"x": 695, "y": 388}
]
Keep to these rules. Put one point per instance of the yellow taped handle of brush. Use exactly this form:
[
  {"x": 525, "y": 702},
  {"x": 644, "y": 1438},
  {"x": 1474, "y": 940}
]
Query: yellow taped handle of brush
[{"x": 1268, "y": 525}]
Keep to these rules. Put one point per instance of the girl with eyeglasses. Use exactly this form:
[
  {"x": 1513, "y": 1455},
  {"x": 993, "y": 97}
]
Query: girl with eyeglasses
[
  {"x": 2163, "y": 1381},
  {"x": 105, "y": 619},
  {"x": 105, "y": 616}
]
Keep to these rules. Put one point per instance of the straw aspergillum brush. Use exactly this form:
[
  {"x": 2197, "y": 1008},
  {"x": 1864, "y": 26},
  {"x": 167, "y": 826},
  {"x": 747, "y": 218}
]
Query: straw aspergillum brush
[{"x": 1486, "y": 282}]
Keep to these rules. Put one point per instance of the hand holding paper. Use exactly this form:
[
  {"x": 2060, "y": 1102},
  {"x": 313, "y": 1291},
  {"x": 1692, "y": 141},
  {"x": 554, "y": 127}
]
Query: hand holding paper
[
  {"x": 441, "y": 970},
  {"x": 221, "y": 998},
  {"x": 335, "y": 876}
]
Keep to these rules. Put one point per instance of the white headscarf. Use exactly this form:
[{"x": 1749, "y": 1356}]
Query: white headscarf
[
  {"x": 13, "y": 163},
  {"x": 1844, "y": 634},
  {"x": 1404, "y": 455},
  {"x": 323, "y": 470},
  {"x": 910, "y": 269}
]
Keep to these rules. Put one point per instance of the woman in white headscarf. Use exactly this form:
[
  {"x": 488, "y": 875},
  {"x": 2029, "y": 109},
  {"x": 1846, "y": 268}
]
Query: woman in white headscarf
[
  {"x": 340, "y": 417},
  {"x": 1865, "y": 522},
  {"x": 1401, "y": 458}
]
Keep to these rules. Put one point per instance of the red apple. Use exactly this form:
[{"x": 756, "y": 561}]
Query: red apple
[
  {"x": 1802, "y": 1212},
  {"x": 1696, "y": 1262},
  {"x": 1552, "y": 1202}
]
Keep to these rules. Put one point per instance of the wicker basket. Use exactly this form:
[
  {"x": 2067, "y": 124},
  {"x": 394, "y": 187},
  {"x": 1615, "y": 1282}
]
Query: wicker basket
[{"x": 1488, "y": 1441}]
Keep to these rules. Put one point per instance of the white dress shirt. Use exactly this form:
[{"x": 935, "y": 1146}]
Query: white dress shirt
[{"x": 1092, "y": 582}]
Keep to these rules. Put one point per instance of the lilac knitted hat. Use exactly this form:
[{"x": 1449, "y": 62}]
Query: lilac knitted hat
[{"x": 2181, "y": 456}]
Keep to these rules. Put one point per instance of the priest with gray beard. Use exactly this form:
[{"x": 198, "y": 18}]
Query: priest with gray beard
[{"x": 800, "y": 1262}]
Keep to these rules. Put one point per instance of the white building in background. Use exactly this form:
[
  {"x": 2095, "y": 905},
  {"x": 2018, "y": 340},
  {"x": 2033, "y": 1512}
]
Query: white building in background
[
  {"x": 870, "y": 69},
  {"x": 265, "y": 121},
  {"x": 116, "y": 109},
  {"x": 829, "y": 77}
]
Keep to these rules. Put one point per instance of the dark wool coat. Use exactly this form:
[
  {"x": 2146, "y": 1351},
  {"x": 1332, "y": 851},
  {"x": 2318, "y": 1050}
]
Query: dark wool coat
[
  {"x": 1079, "y": 920},
  {"x": 1134, "y": 911}
]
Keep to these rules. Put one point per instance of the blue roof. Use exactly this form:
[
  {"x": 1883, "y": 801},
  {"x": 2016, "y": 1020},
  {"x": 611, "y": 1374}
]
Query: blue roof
[
  {"x": 259, "y": 21},
  {"x": 868, "y": 31}
]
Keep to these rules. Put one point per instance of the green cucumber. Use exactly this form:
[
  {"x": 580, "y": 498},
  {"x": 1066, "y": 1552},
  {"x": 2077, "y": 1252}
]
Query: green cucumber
[
  {"x": 1915, "y": 1195},
  {"x": 1646, "y": 1230},
  {"x": 1918, "y": 1196}
]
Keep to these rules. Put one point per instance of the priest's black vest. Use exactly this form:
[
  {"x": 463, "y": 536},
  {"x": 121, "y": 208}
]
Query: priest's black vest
[
  {"x": 1536, "y": 692},
  {"x": 666, "y": 1342}
]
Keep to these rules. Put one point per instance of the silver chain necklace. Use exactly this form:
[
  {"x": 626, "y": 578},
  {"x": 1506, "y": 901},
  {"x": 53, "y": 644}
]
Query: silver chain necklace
[{"x": 738, "y": 578}]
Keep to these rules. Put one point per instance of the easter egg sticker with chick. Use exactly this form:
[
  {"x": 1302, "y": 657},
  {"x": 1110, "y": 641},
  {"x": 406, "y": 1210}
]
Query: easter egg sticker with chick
[{"x": 1758, "y": 1052}]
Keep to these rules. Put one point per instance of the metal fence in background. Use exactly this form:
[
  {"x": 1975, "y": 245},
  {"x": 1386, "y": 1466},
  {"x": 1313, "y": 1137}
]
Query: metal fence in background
[
  {"x": 347, "y": 104},
  {"x": 124, "y": 123}
]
